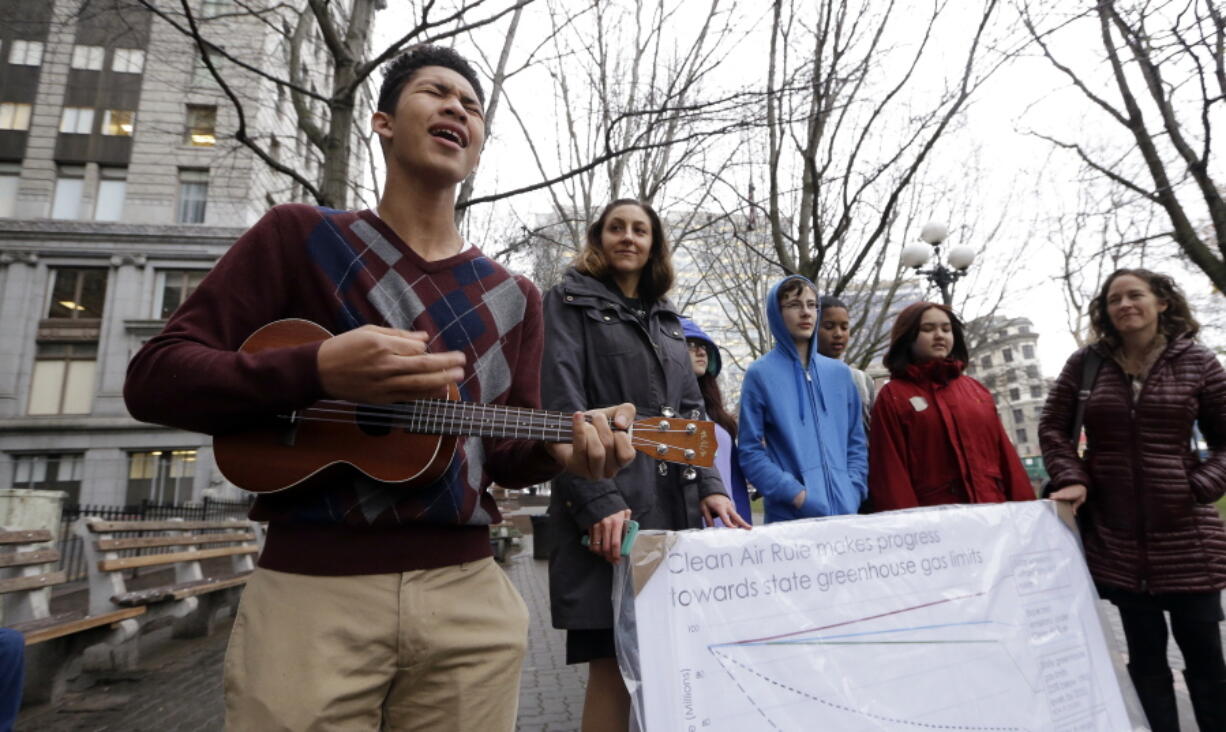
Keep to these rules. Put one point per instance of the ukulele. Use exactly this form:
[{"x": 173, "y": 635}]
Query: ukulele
[{"x": 408, "y": 443}]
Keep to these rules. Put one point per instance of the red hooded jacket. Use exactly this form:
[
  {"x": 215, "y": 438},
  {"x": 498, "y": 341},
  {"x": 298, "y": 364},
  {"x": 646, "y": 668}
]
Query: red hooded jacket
[{"x": 936, "y": 438}]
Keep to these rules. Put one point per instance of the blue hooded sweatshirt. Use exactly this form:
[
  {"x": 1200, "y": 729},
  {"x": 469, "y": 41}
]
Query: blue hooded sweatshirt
[{"x": 801, "y": 429}]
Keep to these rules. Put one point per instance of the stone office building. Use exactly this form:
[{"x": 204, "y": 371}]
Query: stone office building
[
  {"x": 1004, "y": 357},
  {"x": 120, "y": 186}
]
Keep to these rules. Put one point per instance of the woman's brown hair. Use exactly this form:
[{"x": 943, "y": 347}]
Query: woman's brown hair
[
  {"x": 658, "y": 274},
  {"x": 713, "y": 400},
  {"x": 1174, "y": 321},
  {"x": 906, "y": 329}
]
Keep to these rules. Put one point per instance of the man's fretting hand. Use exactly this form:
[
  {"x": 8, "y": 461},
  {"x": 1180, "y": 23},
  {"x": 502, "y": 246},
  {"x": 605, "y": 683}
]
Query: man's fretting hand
[{"x": 597, "y": 452}]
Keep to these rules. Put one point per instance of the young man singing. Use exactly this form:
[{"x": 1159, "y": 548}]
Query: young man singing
[
  {"x": 801, "y": 437},
  {"x": 375, "y": 605}
]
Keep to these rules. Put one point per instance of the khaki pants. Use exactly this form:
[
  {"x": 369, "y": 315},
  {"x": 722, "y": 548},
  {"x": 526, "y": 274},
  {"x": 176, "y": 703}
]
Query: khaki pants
[{"x": 437, "y": 649}]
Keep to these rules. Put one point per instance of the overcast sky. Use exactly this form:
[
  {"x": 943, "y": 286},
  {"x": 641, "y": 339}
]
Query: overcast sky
[{"x": 1022, "y": 180}]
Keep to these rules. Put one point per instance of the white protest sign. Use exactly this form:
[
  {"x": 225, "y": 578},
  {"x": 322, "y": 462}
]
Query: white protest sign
[{"x": 951, "y": 619}]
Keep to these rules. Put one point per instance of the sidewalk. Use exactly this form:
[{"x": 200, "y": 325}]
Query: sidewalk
[{"x": 178, "y": 685}]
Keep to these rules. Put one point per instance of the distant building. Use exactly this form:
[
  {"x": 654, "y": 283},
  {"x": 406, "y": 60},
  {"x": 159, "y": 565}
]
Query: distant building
[
  {"x": 120, "y": 186},
  {"x": 1004, "y": 357}
]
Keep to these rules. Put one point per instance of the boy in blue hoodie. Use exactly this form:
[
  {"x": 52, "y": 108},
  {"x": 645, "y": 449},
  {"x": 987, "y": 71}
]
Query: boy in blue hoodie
[{"x": 801, "y": 441}]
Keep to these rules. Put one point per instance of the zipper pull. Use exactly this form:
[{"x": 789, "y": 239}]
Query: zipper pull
[{"x": 808, "y": 376}]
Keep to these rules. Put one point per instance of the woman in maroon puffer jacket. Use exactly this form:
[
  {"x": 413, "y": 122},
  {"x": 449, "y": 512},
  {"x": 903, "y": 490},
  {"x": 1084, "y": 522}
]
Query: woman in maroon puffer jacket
[{"x": 1154, "y": 541}]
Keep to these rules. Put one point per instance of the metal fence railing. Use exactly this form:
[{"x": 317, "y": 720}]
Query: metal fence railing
[{"x": 72, "y": 553}]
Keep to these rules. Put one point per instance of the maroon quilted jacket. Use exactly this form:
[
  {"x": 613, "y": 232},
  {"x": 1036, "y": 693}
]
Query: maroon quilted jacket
[{"x": 1150, "y": 524}]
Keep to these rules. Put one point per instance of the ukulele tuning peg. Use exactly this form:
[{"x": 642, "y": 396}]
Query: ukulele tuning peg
[
  {"x": 661, "y": 449},
  {"x": 690, "y": 474},
  {"x": 689, "y": 454},
  {"x": 691, "y": 428},
  {"x": 662, "y": 468},
  {"x": 667, "y": 412},
  {"x": 663, "y": 426}
]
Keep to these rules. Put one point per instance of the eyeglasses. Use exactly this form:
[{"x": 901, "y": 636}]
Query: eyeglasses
[
  {"x": 800, "y": 305},
  {"x": 696, "y": 347}
]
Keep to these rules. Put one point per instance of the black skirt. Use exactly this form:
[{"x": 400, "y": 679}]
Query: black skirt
[{"x": 583, "y": 645}]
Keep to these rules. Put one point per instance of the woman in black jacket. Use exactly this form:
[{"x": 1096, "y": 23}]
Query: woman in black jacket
[{"x": 611, "y": 336}]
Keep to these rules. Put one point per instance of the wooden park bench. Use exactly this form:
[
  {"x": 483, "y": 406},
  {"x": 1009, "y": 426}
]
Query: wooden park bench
[
  {"x": 502, "y": 537},
  {"x": 27, "y": 561},
  {"x": 189, "y": 593}
]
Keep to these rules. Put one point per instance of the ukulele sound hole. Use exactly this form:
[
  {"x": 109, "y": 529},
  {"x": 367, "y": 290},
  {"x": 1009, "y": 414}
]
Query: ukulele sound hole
[{"x": 373, "y": 420}]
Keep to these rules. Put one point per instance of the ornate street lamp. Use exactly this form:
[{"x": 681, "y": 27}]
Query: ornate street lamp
[{"x": 916, "y": 255}]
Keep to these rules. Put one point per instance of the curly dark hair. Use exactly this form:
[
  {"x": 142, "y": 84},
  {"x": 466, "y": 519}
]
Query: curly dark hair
[
  {"x": 825, "y": 302},
  {"x": 1175, "y": 321},
  {"x": 398, "y": 71},
  {"x": 906, "y": 329},
  {"x": 658, "y": 275}
]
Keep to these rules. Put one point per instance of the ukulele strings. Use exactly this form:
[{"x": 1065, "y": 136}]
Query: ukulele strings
[
  {"x": 393, "y": 416},
  {"x": 457, "y": 414},
  {"x": 635, "y": 440}
]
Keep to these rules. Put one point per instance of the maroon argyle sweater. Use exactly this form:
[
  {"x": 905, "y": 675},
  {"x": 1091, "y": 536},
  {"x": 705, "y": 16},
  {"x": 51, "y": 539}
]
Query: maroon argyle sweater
[{"x": 343, "y": 269}]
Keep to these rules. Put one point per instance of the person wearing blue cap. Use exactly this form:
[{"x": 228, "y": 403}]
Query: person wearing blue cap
[
  {"x": 801, "y": 441},
  {"x": 704, "y": 357}
]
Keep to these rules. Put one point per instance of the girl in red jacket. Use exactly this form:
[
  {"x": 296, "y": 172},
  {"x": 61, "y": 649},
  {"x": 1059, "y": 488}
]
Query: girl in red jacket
[{"x": 935, "y": 435}]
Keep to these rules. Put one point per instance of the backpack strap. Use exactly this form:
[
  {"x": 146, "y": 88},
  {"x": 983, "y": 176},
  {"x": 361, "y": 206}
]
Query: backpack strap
[{"x": 1089, "y": 373}]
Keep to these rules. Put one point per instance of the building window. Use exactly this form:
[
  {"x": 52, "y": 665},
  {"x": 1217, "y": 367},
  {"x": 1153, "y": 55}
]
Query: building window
[
  {"x": 1020, "y": 434},
  {"x": 14, "y": 116},
  {"x": 111, "y": 187},
  {"x": 118, "y": 122},
  {"x": 88, "y": 57},
  {"x": 50, "y": 472},
  {"x": 161, "y": 476},
  {"x": 1032, "y": 371},
  {"x": 177, "y": 285},
  {"x": 128, "y": 60},
  {"x": 1011, "y": 376},
  {"x": 69, "y": 185},
  {"x": 1007, "y": 354},
  {"x": 1023, "y": 329},
  {"x": 63, "y": 381},
  {"x": 201, "y": 126},
  {"x": 212, "y": 8},
  {"x": 10, "y": 177},
  {"x": 77, "y": 294},
  {"x": 1019, "y": 416},
  {"x": 1027, "y": 351},
  {"x": 1015, "y": 394},
  {"x": 990, "y": 381},
  {"x": 986, "y": 362},
  {"x": 1036, "y": 391},
  {"x": 193, "y": 195},
  {"x": 26, "y": 53},
  {"x": 77, "y": 120}
]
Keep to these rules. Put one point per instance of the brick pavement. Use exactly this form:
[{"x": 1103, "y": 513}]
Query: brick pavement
[{"x": 178, "y": 684}]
